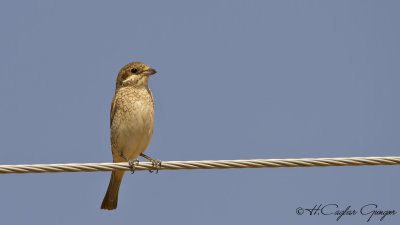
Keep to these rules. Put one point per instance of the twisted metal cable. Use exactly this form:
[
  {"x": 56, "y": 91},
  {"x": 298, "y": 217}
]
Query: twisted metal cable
[{"x": 206, "y": 164}]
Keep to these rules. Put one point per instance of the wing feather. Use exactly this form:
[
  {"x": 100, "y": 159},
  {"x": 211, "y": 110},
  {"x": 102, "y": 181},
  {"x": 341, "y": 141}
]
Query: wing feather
[{"x": 113, "y": 109}]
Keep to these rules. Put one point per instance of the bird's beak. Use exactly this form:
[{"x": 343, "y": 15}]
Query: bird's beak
[{"x": 149, "y": 72}]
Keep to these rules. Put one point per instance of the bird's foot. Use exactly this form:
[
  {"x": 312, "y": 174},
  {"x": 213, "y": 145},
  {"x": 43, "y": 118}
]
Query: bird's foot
[
  {"x": 133, "y": 164},
  {"x": 156, "y": 165},
  {"x": 155, "y": 162}
]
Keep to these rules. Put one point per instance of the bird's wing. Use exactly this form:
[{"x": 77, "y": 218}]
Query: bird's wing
[
  {"x": 151, "y": 95},
  {"x": 113, "y": 110}
]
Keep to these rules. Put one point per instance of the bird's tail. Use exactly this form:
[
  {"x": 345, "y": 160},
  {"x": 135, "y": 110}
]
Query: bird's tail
[{"x": 111, "y": 198}]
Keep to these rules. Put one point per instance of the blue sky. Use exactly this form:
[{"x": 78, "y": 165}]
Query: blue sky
[{"x": 236, "y": 80}]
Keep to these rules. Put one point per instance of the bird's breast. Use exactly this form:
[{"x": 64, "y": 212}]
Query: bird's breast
[{"x": 133, "y": 122}]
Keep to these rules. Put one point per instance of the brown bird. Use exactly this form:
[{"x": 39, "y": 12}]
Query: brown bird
[{"x": 131, "y": 122}]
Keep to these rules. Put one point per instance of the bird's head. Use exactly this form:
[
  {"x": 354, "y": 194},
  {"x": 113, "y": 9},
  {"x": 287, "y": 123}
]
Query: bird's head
[{"x": 134, "y": 74}]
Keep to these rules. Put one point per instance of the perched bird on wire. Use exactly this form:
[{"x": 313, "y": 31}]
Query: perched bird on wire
[{"x": 131, "y": 122}]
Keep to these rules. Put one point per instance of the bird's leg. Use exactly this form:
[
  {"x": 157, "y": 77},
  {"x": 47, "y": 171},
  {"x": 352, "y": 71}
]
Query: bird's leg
[
  {"x": 130, "y": 162},
  {"x": 156, "y": 162}
]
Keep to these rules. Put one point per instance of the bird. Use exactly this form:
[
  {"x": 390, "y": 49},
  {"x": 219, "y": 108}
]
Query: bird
[{"x": 131, "y": 124}]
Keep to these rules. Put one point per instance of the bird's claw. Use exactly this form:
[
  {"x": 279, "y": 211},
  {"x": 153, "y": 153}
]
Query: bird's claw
[
  {"x": 156, "y": 165},
  {"x": 133, "y": 164}
]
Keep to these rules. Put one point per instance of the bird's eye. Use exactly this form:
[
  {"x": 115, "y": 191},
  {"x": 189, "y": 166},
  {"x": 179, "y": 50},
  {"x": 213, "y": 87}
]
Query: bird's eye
[{"x": 133, "y": 70}]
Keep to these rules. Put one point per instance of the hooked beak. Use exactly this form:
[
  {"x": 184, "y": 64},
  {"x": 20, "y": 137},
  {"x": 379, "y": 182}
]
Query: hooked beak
[{"x": 149, "y": 72}]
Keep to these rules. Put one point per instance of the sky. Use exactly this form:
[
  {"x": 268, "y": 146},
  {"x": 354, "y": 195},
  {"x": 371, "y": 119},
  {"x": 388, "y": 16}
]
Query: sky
[{"x": 236, "y": 80}]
